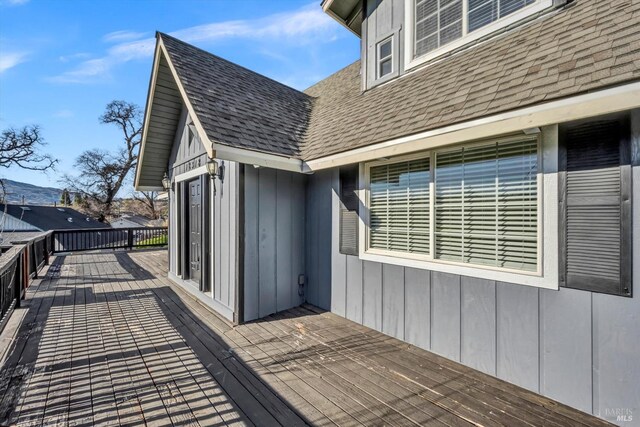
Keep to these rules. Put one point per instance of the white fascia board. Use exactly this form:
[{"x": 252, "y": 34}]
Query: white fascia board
[
  {"x": 620, "y": 98},
  {"x": 147, "y": 115},
  {"x": 256, "y": 158}
]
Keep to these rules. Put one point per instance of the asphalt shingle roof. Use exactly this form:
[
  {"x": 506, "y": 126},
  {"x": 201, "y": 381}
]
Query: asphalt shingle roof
[
  {"x": 238, "y": 107},
  {"x": 584, "y": 46},
  {"x": 52, "y": 218}
]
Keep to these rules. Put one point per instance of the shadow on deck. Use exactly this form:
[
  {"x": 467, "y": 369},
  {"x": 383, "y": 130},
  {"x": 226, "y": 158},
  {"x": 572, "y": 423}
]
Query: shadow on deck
[{"x": 107, "y": 339}]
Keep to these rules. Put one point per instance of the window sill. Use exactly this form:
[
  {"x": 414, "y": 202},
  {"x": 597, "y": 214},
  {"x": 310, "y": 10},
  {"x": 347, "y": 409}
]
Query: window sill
[{"x": 500, "y": 275}]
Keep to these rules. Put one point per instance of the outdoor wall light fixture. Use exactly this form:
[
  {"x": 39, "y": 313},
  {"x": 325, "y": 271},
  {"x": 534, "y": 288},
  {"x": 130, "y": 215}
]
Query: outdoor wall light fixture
[
  {"x": 166, "y": 182},
  {"x": 215, "y": 170}
]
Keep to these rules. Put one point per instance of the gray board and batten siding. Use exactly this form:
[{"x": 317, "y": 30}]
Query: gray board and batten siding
[
  {"x": 575, "y": 346},
  {"x": 274, "y": 240},
  {"x": 188, "y": 158}
]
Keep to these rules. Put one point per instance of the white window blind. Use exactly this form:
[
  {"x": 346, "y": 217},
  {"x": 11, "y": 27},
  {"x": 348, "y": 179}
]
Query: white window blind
[
  {"x": 399, "y": 206},
  {"x": 483, "y": 12},
  {"x": 438, "y": 22},
  {"x": 486, "y": 205}
]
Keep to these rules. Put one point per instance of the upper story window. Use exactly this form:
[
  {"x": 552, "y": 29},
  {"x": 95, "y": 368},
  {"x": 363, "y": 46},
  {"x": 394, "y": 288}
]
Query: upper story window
[
  {"x": 385, "y": 57},
  {"x": 442, "y": 25}
]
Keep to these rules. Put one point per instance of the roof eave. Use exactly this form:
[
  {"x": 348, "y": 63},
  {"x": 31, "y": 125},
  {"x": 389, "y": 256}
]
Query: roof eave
[{"x": 352, "y": 20}]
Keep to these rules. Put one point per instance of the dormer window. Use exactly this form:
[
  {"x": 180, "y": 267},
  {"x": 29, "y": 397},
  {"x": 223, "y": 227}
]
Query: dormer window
[
  {"x": 439, "y": 26},
  {"x": 385, "y": 57}
]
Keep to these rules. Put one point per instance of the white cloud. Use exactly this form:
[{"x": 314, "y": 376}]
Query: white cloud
[
  {"x": 11, "y": 59},
  {"x": 63, "y": 114},
  {"x": 74, "y": 56},
  {"x": 306, "y": 25},
  {"x": 14, "y": 2},
  {"x": 85, "y": 72},
  {"x": 122, "y": 36}
]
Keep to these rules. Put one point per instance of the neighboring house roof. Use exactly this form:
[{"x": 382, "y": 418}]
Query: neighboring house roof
[
  {"x": 52, "y": 218},
  {"x": 582, "y": 47},
  {"x": 239, "y": 107},
  {"x": 137, "y": 220}
]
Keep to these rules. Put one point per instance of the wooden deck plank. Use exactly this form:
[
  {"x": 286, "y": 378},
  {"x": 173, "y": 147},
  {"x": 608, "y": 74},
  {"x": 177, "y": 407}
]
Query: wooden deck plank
[
  {"x": 284, "y": 382},
  {"x": 433, "y": 387},
  {"x": 176, "y": 357},
  {"x": 109, "y": 340},
  {"x": 23, "y": 367},
  {"x": 378, "y": 384}
]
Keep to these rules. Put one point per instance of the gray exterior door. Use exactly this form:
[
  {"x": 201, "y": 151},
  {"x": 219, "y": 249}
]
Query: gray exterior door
[{"x": 195, "y": 230}]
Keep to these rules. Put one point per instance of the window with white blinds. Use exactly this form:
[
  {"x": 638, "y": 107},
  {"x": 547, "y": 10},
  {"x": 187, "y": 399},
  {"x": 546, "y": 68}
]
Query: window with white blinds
[
  {"x": 486, "y": 205},
  {"x": 439, "y": 22},
  {"x": 399, "y": 206},
  {"x": 484, "y": 210}
]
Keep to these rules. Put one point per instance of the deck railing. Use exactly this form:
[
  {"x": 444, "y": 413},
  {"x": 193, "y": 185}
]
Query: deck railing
[
  {"x": 19, "y": 264},
  {"x": 108, "y": 238}
]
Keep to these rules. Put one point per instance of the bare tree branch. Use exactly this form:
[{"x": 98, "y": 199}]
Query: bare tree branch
[
  {"x": 21, "y": 147},
  {"x": 101, "y": 174}
]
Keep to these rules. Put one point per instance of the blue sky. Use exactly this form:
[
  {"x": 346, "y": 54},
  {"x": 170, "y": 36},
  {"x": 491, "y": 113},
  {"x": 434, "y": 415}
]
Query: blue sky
[{"x": 62, "y": 61}]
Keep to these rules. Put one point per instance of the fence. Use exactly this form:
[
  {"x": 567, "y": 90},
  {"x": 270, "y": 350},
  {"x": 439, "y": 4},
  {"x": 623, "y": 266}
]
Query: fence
[
  {"x": 18, "y": 265},
  {"x": 108, "y": 238}
]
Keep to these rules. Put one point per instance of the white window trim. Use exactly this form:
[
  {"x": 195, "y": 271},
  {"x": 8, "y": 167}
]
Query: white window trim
[
  {"x": 389, "y": 57},
  {"x": 548, "y": 270},
  {"x": 409, "y": 42}
]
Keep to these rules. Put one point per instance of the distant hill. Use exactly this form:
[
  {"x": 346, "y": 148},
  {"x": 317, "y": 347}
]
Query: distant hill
[{"x": 33, "y": 194}]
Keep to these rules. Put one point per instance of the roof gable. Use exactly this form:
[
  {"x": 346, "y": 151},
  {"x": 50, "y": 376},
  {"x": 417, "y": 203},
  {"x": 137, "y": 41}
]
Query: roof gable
[{"x": 230, "y": 106}]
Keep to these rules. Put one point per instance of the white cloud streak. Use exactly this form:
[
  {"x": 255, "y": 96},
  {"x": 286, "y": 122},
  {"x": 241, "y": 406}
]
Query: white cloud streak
[
  {"x": 122, "y": 36},
  {"x": 11, "y": 59},
  {"x": 13, "y": 2},
  {"x": 63, "y": 114},
  {"x": 304, "y": 26}
]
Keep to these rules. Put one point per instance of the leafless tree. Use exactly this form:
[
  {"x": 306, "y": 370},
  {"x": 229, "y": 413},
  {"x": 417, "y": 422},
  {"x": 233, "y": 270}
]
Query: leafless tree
[
  {"x": 21, "y": 147},
  {"x": 148, "y": 200},
  {"x": 101, "y": 174}
]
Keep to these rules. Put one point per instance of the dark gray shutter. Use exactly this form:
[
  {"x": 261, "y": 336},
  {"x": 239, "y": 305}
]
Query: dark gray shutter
[
  {"x": 349, "y": 203},
  {"x": 595, "y": 189}
]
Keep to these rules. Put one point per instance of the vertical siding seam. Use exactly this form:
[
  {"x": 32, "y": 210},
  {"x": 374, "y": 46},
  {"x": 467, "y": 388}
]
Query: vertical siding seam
[
  {"x": 430, "y": 309},
  {"x": 540, "y": 339},
  {"x": 275, "y": 243},
  {"x": 292, "y": 274},
  {"x": 257, "y": 184},
  {"x": 495, "y": 297},
  {"x": 381, "y": 307},
  {"x": 460, "y": 318},
  {"x": 362, "y": 292},
  {"x": 593, "y": 350},
  {"x": 404, "y": 302},
  {"x": 539, "y": 336}
]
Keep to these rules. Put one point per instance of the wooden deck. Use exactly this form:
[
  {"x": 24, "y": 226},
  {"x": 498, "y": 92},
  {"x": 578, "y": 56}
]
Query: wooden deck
[{"x": 106, "y": 339}]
